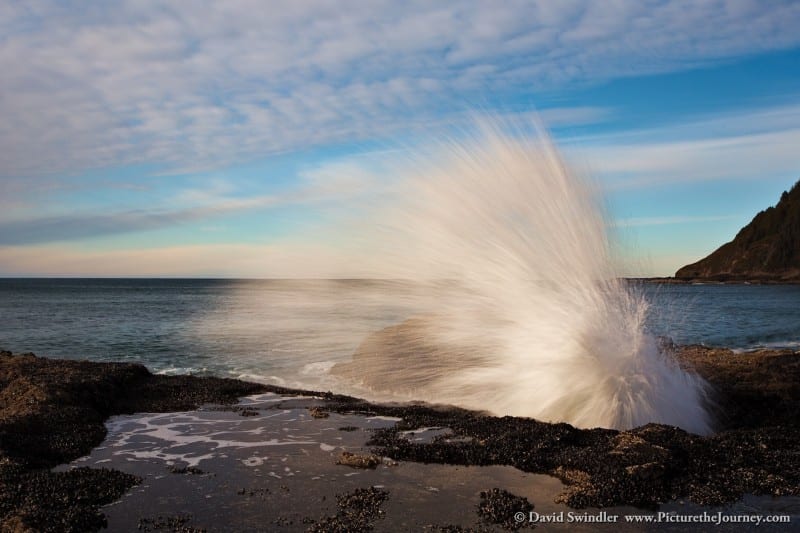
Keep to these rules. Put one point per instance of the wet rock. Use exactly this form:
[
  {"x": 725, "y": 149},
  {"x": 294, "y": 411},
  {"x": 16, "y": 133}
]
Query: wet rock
[
  {"x": 642, "y": 467},
  {"x": 452, "y": 528},
  {"x": 499, "y": 507},
  {"x": 260, "y": 491},
  {"x": 185, "y": 470},
  {"x": 42, "y": 500},
  {"x": 646, "y": 471},
  {"x": 52, "y": 411},
  {"x": 580, "y": 491},
  {"x": 318, "y": 412},
  {"x": 241, "y": 410},
  {"x": 174, "y": 524},
  {"x": 634, "y": 450},
  {"x": 751, "y": 389},
  {"x": 357, "y": 460},
  {"x": 358, "y": 511},
  {"x": 283, "y": 521}
]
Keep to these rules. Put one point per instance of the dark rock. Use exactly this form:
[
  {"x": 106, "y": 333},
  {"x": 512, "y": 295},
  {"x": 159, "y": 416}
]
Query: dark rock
[
  {"x": 499, "y": 506},
  {"x": 751, "y": 389},
  {"x": 42, "y": 500},
  {"x": 318, "y": 412},
  {"x": 241, "y": 410},
  {"x": 402, "y": 356},
  {"x": 452, "y": 528},
  {"x": 52, "y": 411},
  {"x": 174, "y": 524},
  {"x": 357, "y": 460},
  {"x": 358, "y": 511},
  {"x": 185, "y": 470},
  {"x": 757, "y": 395},
  {"x": 767, "y": 249}
]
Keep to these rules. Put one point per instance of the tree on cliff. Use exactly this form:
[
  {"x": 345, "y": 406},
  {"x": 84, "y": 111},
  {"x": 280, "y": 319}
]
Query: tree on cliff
[{"x": 768, "y": 248}]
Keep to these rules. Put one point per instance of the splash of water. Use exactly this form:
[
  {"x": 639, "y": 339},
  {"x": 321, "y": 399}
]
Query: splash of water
[{"x": 518, "y": 308}]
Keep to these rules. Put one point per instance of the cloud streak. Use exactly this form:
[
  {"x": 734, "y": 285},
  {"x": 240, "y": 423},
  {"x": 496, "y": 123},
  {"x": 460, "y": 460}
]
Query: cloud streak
[
  {"x": 322, "y": 186},
  {"x": 751, "y": 144},
  {"x": 75, "y": 226},
  {"x": 196, "y": 85},
  {"x": 295, "y": 261}
]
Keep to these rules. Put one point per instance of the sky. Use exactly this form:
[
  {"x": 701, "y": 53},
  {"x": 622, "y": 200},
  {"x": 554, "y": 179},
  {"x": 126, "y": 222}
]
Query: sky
[{"x": 204, "y": 139}]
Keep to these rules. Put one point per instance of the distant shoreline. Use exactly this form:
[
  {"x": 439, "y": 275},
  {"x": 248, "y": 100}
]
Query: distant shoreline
[
  {"x": 704, "y": 281},
  {"x": 656, "y": 279}
]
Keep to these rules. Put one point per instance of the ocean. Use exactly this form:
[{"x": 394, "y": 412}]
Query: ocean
[{"x": 293, "y": 332}]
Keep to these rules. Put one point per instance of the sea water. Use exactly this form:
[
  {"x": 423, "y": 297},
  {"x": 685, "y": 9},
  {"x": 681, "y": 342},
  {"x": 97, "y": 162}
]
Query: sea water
[{"x": 206, "y": 327}]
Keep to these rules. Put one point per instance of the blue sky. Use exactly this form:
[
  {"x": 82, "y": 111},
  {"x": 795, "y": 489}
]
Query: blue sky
[{"x": 205, "y": 138}]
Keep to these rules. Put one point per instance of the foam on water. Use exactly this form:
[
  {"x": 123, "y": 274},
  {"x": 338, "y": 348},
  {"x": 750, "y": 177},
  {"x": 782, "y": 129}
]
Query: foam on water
[{"x": 280, "y": 427}]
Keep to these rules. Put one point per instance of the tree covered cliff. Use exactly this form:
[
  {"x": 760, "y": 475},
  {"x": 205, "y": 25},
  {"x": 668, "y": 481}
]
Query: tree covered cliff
[{"x": 767, "y": 249}]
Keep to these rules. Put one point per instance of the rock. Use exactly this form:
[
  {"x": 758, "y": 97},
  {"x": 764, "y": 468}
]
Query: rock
[
  {"x": 767, "y": 249},
  {"x": 318, "y": 412},
  {"x": 406, "y": 357},
  {"x": 498, "y": 506},
  {"x": 355, "y": 460},
  {"x": 42, "y": 500},
  {"x": 52, "y": 411},
  {"x": 185, "y": 470},
  {"x": 358, "y": 511},
  {"x": 634, "y": 450},
  {"x": 757, "y": 451},
  {"x": 646, "y": 471},
  {"x": 751, "y": 389},
  {"x": 175, "y": 524}
]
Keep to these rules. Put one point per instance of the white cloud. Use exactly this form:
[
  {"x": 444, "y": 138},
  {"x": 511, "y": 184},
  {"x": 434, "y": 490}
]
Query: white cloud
[
  {"x": 204, "y": 84},
  {"x": 751, "y": 144},
  {"x": 81, "y": 225}
]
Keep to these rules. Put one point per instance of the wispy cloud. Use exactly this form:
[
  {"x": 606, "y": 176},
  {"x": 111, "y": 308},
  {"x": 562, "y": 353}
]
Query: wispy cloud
[
  {"x": 744, "y": 145},
  {"x": 198, "y": 260},
  {"x": 204, "y": 84},
  {"x": 75, "y": 226},
  {"x": 208, "y": 260},
  {"x": 318, "y": 186},
  {"x": 662, "y": 221}
]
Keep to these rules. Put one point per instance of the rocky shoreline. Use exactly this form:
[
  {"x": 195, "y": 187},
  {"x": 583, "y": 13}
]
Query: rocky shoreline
[
  {"x": 768, "y": 248},
  {"x": 718, "y": 280},
  {"x": 53, "y": 411}
]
